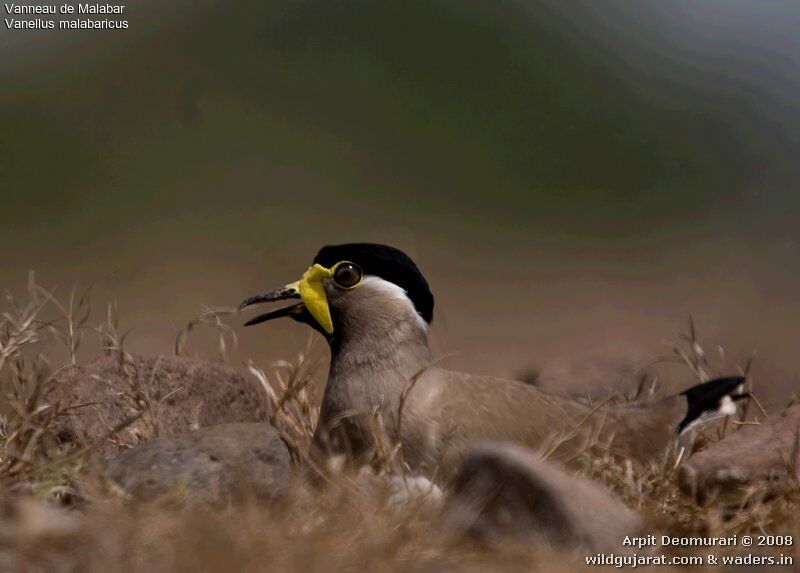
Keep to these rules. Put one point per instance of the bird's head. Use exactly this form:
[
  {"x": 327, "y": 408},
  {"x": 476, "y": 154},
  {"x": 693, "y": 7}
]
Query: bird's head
[{"x": 356, "y": 287}]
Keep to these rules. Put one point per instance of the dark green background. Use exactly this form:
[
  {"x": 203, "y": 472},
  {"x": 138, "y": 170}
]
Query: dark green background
[{"x": 644, "y": 154}]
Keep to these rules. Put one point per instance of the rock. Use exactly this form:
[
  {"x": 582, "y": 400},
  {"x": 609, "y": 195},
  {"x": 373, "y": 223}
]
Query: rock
[
  {"x": 763, "y": 453},
  {"x": 593, "y": 376},
  {"x": 414, "y": 488},
  {"x": 400, "y": 489},
  {"x": 505, "y": 492},
  {"x": 170, "y": 394},
  {"x": 214, "y": 465}
]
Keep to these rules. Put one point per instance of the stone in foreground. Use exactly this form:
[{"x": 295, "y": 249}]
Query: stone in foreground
[
  {"x": 504, "y": 492},
  {"x": 755, "y": 454},
  {"x": 219, "y": 464},
  {"x": 166, "y": 396}
]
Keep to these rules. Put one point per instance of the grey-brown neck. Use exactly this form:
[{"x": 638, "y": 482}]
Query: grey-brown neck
[{"x": 380, "y": 343}]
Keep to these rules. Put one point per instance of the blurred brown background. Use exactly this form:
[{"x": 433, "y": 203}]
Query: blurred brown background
[{"x": 574, "y": 178}]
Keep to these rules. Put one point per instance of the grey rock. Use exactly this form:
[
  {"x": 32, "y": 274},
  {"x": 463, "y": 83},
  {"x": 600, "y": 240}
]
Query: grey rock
[
  {"x": 166, "y": 396},
  {"x": 401, "y": 489},
  {"x": 763, "y": 453},
  {"x": 219, "y": 464},
  {"x": 591, "y": 375},
  {"x": 505, "y": 492}
]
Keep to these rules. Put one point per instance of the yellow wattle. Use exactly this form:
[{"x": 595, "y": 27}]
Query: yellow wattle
[{"x": 313, "y": 294}]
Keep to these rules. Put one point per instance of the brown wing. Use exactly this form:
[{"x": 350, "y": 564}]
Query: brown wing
[{"x": 450, "y": 411}]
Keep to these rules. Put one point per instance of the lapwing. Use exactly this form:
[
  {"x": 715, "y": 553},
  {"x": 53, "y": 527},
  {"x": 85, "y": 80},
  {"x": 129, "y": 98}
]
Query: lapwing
[{"x": 374, "y": 307}]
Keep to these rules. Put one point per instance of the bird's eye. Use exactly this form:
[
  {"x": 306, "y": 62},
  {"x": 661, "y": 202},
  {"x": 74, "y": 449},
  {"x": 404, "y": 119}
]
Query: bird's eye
[{"x": 347, "y": 275}]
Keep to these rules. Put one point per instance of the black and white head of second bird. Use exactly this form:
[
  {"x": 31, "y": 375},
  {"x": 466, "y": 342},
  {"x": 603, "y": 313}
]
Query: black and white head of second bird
[{"x": 374, "y": 307}]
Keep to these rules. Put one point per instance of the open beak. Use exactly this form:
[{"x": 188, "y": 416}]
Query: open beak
[
  {"x": 314, "y": 303},
  {"x": 280, "y": 294}
]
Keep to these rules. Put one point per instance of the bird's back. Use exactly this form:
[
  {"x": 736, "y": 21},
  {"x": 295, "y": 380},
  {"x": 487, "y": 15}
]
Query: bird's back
[{"x": 446, "y": 412}]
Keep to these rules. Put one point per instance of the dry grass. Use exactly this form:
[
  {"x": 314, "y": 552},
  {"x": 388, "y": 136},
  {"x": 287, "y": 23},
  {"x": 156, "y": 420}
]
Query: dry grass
[{"x": 349, "y": 524}]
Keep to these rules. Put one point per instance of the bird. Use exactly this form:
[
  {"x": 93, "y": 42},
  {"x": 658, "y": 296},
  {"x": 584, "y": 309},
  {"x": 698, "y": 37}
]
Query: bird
[{"x": 374, "y": 308}]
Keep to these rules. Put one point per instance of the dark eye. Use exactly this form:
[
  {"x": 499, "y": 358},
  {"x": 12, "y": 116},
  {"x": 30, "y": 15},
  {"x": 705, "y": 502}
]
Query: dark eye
[{"x": 347, "y": 275}]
